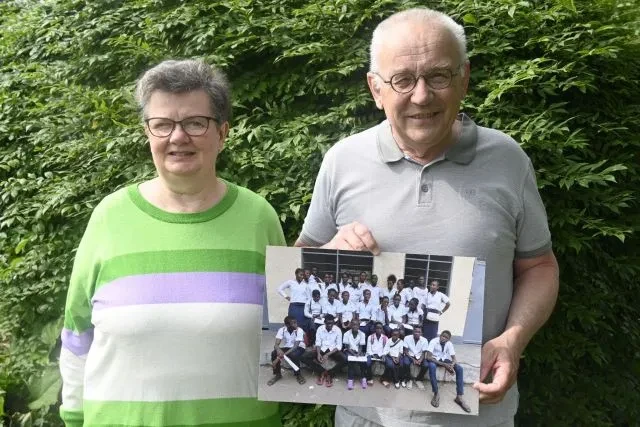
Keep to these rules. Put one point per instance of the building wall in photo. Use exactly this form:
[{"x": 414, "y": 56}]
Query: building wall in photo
[
  {"x": 459, "y": 290},
  {"x": 281, "y": 264},
  {"x": 388, "y": 263}
]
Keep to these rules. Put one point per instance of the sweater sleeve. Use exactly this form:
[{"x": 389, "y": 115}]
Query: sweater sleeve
[{"x": 77, "y": 333}]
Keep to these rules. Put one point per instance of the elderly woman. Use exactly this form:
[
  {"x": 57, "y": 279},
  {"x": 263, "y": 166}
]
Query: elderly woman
[{"x": 163, "y": 267}]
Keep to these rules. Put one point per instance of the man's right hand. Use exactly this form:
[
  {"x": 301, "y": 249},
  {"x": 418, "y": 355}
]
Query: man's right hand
[
  {"x": 288, "y": 298},
  {"x": 354, "y": 237},
  {"x": 280, "y": 352}
]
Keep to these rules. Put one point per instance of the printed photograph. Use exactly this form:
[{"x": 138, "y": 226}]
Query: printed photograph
[{"x": 394, "y": 330}]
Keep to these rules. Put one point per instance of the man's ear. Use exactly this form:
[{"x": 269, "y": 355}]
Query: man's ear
[{"x": 374, "y": 86}]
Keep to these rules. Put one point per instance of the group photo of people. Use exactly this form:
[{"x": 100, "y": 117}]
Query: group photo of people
[{"x": 344, "y": 323}]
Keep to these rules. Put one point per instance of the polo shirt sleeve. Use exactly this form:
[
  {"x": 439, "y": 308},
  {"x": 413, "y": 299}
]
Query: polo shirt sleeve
[
  {"x": 320, "y": 223},
  {"x": 280, "y": 334},
  {"x": 532, "y": 230},
  {"x": 445, "y": 299}
]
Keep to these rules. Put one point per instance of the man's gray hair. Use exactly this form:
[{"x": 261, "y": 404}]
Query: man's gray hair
[
  {"x": 187, "y": 76},
  {"x": 415, "y": 16}
]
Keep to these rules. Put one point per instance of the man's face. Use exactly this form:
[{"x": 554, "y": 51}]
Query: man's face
[
  {"x": 417, "y": 333},
  {"x": 374, "y": 280},
  {"x": 355, "y": 326},
  {"x": 412, "y": 305},
  {"x": 433, "y": 287},
  {"x": 378, "y": 330},
  {"x": 345, "y": 278},
  {"x": 421, "y": 281},
  {"x": 385, "y": 302},
  {"x": 363, "y": 277},
  {"x": 316, "y": 297},
  {"x": 395, "y": 334},
  {"x": 307, "y": 274},
  {"x": 366, "y": 295},
  {"x": 345, "y": 297},
  {"x": 299, "y": 276},
  {"x": 331, "y": 277},
  {"x": 400, "y": 285},
  {"x": 293, "y": 324},
  {"x": 390, "y": 283},
  {"x": 444, "y": 338},
  {"x": 327, "y": 279},
  {"x": 329, "y": 324},
  {"x": 314, "y": 271},
  {"x": 396, "y": 300},
  {"x": 423, "y": 117}
]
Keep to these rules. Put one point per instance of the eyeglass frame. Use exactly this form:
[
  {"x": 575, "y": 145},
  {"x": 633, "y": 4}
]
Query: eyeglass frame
[
  {"x": 424, "y": 75},
  {"x": 176, "y": 122}
]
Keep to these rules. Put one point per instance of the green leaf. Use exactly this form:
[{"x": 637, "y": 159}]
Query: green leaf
[{"x": 44, "y": 390}]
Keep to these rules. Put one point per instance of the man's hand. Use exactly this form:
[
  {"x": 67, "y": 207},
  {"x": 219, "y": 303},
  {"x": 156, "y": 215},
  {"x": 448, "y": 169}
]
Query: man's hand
[
  {"x": 287, "y": 298},
  {"x": 279, "y": 352},
  {"x": 501, "y": 360},
  {"x": 354, "y": 237}
]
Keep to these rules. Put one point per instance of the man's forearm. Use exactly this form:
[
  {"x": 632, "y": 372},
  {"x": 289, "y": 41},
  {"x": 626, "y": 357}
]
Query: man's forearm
[{"x": 534, "y": 296}]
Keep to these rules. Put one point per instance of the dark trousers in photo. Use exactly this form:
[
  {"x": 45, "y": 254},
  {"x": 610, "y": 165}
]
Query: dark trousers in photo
[
  {"x": 295, "y": 356},
  {"x": 395, "y": 372},
  {"x": 459, "y": 377},
  {"x": 310, "y": 358}
]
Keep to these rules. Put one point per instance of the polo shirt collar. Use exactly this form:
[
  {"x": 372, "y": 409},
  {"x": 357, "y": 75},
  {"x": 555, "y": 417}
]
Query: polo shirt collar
[{"x": 462, "y": 151}]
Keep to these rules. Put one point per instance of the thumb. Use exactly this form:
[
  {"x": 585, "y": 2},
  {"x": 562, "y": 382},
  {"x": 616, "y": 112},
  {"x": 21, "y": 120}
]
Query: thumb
[{"x": 488, "y": 360}]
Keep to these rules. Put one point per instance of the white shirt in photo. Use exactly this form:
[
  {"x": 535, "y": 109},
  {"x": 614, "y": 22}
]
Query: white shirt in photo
[
  {"x": 355, "y": 294},
  {"x": 405, "y": 295},
  {"x": 299, "y": 291},
  {"x": 413, "y": 317},
  {"x": 416, "y": 348},
  {"x": 376, "y": 292},
  {"x": 396, "y": 313},
  {"x": 395, "y": 348},
  {"x": 329, "y": 340},
  {"x": 366, "y": 311},
  {"x": 324, "y": 290},
  {"x": 385, "y": 292},
  {"x": 435, "y": 301},
  {"x": 440, "y": 353},
  {"x": 354, "y": 343},
  {"x": 312, "y": 308},
  {"x": 378, "y": 315},
  {"x": 346, "y": 310},
  {"x": 419, "y": 293},
  {"x": 288, "y": 339},
  {"x": 376, "y": 345},
  {"x": 328, "y": 308}
]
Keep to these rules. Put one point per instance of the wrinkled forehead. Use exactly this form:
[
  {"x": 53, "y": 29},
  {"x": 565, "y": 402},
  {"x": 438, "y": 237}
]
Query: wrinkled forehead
[{"x": 417, "y": 48}]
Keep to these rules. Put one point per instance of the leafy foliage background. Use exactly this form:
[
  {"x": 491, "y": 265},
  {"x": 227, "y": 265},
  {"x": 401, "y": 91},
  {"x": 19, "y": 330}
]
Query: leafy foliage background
[{"x": 563, "y": 78}]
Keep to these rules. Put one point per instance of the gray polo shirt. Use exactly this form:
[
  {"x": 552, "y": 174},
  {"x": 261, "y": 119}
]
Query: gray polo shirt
[{"x": 478, "y": 199}]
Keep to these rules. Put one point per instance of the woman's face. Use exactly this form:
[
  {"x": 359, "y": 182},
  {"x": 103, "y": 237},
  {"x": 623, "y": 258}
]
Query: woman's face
[{"x": 180, "y": 155}]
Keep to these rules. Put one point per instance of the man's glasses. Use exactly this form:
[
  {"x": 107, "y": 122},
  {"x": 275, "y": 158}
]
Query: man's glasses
[
  {"x": 439, "y": 78},
  {"x": 162, "y": 127}
]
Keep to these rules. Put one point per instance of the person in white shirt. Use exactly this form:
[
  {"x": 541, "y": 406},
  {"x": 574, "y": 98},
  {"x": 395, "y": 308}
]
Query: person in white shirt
[
  {"x": 346, "y": 311},
  {"x": 414, "y": 315},
  {"x": 328, "y": 344},
  {"x": 354, "y": 343},
  {"x": 383, "y": 316},
  {"x": 390, "y": 290},
  {"x": 299, "y": 295},
  {"x": 313, "y": 311},
  {"x": 404, "y": 291},
  {"x": 396, "y": 370},
  {"x": 397, "y": 314},
  {"x": 376, "y": 291},
  {"x": 314, "y": 275},
  {"x": 416, "y": 346},
  {"x": 344, "y": 284},
  {"x": 290, "y": 343},
  {"x": 435, "y": 303},
  {"x": 331, "y": 306},
  {"x": 420, "y": 290},
  {"x": 440, "y": 352},
  {"x": 324, "y": 287},
  {"x": 366, "y": 310},
  {"x": 376, "y": 343},
  {"x": 355, "y": 293}
]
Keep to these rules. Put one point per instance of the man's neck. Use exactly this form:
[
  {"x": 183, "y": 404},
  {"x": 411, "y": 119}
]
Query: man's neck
[{"x": 425, "y": 154}]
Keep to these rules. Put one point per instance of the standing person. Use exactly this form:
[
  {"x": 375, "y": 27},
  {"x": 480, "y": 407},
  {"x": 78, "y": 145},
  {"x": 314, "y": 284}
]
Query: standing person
[
  {"x": 299, "y": 295},
  {"x": 390, "y": 290},
  {"x": 354, "y": 343},
  {"x": 366, "y": 310},
  {"x": 415, "y": 348},
  {"x": 383, "y": 316},
  {"x": 435, "y": 304},
  {"x": 327, "y": 346},
  {"x": 312, "y": 311},
  {"x": 420, "y": 291},
  {"x": 376, "y": 343},
  {"x": 314, "y": 275},
  {"x": 290, "y": 343},
  {"x": 450, "y": 187},
  {"x": 376, "y": 291},
  {"x": 346, "y": 312},
  {"x": 160, "y": 263},
  {"x": 440, "y": 352},
  {"x": 355, "y": 293},
  {"x": 325, "y": 286},
  {"x": 404, "y": 291},
  {"x": 394, "y": 351},
  {"x": 344, "y": 284},
  {"x": 309, "y": 278}
]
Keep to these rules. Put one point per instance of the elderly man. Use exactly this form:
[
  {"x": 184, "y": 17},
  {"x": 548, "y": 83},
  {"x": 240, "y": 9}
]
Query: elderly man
[{"x": 450, "y": 187}]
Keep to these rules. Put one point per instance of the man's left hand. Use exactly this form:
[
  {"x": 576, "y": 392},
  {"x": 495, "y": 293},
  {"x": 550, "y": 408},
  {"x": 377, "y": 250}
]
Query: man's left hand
[{"x": 501, "y": 360}]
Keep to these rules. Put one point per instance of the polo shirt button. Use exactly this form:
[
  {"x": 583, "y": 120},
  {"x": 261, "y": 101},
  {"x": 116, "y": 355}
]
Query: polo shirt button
[{"x": 424, "y": 188}]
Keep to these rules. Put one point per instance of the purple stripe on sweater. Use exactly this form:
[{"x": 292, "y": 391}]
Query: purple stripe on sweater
[
  {"x": 77, "y": 343},
  {"x": 166, "y": 288}
]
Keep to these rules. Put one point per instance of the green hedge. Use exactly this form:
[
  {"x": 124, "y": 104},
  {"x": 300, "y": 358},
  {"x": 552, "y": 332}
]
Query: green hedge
[{"x": 563, "y": 78}]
